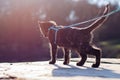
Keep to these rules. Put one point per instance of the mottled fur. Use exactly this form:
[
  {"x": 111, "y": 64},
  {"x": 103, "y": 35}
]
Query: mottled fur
[{"x": 74, "y": 38}]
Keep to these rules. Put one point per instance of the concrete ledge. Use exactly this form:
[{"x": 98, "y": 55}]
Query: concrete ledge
[{"x": 109, "y": 70}]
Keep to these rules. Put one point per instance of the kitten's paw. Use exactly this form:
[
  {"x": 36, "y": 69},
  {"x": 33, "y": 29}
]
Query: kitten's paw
[
  {"x": 66, "y": 63},
  {"x": 52, "y": 62},
  {"x": 95, "y": 65},
  {"x": 79, "y": 64}
]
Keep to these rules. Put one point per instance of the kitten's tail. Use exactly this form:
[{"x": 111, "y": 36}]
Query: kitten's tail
[{"x": 99, "y": 21}]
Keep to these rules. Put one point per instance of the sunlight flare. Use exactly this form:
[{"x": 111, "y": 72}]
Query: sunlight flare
[{"x": 101, "y": 3}]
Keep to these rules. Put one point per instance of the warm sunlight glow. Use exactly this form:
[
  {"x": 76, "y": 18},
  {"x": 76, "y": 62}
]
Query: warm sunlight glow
[
  {"x": 104, "y": 2},
  {"x": 20, "y": 38}
]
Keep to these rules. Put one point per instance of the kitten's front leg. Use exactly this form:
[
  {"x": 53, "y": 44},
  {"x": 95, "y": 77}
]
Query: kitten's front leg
[
  {"x": 53, "y": 52},
  {"x": 67, "y": 55}
]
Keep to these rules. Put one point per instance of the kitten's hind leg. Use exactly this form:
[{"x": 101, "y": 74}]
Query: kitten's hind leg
[
  {"x": 97, "y": 53},
  {"x": 83, "y": 55}
]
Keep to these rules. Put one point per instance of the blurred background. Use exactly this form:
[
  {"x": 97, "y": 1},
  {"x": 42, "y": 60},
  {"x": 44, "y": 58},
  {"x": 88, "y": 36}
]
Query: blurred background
[{"x": 19, "y": 33}]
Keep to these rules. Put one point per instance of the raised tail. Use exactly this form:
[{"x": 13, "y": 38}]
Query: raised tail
[{"x": 99, "y": 21}]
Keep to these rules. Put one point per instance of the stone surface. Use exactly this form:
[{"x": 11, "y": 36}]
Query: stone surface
[{"x": 108, "y": 70}]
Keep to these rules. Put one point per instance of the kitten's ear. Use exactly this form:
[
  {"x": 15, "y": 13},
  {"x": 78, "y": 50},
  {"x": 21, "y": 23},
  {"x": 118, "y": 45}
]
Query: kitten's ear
[{"x": 40, "y": 22}]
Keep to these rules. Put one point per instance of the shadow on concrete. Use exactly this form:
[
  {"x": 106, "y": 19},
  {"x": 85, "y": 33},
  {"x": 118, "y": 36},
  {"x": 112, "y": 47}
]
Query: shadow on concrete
[{"x": 73, "y": 71}]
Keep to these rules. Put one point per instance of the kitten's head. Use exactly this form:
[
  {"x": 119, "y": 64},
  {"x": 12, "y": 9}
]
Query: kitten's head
[{"x": 45, "y": 25}]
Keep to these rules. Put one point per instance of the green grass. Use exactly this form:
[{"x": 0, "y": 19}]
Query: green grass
[
  {"x": 113, "y": 44},
  {"x": 117, "y": 46},
  {"x": 111, "y": 48}
]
